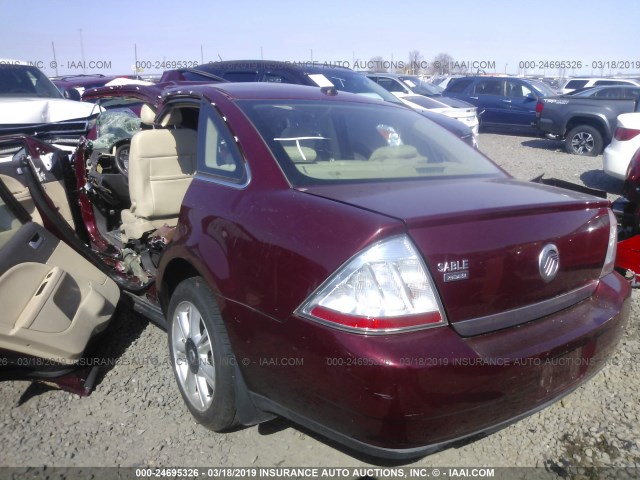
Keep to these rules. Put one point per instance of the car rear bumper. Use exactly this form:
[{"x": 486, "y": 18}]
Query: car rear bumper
[{"x": 406, "y": 395}]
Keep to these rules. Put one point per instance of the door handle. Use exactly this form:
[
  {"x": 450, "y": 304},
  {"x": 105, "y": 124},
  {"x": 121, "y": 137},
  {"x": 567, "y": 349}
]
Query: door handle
[
  {"x": 475, "y": 98},
  {"x": 506, "y": 101},
  {"x": 36, "y": 241}
]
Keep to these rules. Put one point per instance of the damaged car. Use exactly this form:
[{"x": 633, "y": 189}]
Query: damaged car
[
  {"x": 31, "y": 104},
  {"x": 425, "y": 295}
]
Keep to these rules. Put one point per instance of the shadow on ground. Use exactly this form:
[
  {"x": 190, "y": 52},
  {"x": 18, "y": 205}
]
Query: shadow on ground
[
  {"x": 544, "y": 144},
  {"x": 125, "y": 327},
  {"x": 600, "y": 180}
]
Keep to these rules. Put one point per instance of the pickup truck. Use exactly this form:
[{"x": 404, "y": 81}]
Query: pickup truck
[{"x": 586, "y": 124}]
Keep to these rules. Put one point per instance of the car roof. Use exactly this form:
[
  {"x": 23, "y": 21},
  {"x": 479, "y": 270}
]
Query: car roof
[{"x": 270, "y": 91}]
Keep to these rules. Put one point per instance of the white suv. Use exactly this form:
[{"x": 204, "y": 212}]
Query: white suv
[
  {"x": 575, "y": 83},
  {"x": 31, "y": 104}
]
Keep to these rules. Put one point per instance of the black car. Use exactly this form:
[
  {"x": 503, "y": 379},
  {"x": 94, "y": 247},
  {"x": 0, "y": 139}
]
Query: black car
[{"x": 314, "y": 74}]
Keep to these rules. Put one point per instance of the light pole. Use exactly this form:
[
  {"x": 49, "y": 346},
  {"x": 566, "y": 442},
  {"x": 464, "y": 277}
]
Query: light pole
[
  {"x": 505, "y": 68},
  {"x": 82, "y": 50}
]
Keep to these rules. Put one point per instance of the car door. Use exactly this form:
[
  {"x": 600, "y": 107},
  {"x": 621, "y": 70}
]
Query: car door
[
  {"x": 53, "y": 300},
  {"x": 489, "y": 96},
  {"x": 522, "y": 101},
  {"x": 51, "y": 178}
]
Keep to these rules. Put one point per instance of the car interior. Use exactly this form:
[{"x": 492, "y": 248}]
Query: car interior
[
  {"x": 54, "y": 301},
  {"x": 162, "y": 163}
]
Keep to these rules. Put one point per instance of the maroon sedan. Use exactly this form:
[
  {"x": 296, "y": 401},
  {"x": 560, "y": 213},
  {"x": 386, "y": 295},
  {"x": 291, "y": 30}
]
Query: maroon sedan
[{"x": 339, "y": 261}]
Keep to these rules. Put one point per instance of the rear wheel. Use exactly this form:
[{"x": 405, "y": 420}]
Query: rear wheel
[
  {"x": 201, "y": 355},
  {"x": 584, "y": 140}
]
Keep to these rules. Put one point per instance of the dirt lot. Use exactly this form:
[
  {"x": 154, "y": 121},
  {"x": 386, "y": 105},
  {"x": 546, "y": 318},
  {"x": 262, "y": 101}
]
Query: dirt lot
[{"x": 135, "y": 416}]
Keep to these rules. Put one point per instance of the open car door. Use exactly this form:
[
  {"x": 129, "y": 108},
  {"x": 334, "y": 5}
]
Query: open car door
[{"x": 53, "y": 300}]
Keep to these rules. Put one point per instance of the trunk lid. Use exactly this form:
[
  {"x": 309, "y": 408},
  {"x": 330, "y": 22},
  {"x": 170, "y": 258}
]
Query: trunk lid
[{"x": 482, "y": 241}]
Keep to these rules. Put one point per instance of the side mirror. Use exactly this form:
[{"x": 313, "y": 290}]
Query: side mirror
[
  {"x": 72, "y": 94},
  {"x": 530, "y": 97}
]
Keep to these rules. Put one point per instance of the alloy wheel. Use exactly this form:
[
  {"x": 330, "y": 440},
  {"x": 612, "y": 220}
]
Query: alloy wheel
[
  {"x": 194, "y": 363},
  {"x": 582, "y": 142}
]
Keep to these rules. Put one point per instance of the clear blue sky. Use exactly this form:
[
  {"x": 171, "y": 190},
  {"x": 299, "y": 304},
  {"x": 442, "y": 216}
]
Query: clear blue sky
[{"x": 335, "y": 31}]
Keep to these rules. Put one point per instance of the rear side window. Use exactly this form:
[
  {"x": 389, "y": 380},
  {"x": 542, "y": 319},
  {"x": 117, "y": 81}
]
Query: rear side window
[
  {"x": 218, "y": 154},
  {"x": 575, "y": 84},
  {"x": 609, "y": 82},
  {"x": 459, "y": 85}
]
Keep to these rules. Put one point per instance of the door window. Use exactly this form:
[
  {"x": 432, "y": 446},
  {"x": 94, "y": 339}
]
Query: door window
[
  {"x": 490, "y": 86},
  {"x": 517, "y": 90}
]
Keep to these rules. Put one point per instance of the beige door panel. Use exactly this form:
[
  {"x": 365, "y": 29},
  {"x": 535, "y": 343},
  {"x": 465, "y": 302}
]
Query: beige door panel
[
  {"x": 52, "y": 310},
  {"x": 22, "y": 194},
  {"x": 58, "y": 195},
  {"x": 9, "y": 224}
]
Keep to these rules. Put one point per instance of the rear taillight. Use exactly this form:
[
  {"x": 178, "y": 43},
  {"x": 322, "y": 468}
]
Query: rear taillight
[
  {"x": 539, "y": 107},
  {"x": 386, "y": 288},
  {"x": 623, "y": 134}
]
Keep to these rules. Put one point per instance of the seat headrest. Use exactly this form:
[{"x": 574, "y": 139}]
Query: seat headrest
[
  {"x": 174, "y": 118},
  {"x": 147, "y": 114}
]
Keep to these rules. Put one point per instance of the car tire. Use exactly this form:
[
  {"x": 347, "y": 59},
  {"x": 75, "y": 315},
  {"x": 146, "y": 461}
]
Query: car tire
[
  {"x": 201, "y": 356},
  {"x": 584, "y": 140}
]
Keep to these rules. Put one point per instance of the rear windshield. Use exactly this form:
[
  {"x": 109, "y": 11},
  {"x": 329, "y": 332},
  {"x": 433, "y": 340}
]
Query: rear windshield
[{"x": 335, "y": 142}]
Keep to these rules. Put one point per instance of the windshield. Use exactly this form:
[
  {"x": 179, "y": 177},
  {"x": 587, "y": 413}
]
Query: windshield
[
  {"x": 425, "y": 102},
  {"x": 336, "y": 142},
  {"x": 352, "y": 82},
  {"x": 421, "y": 87},
  {"x": 25, "y": 81},
  {"x": 115, "y": 125},
  {"x": 542, "y": 89}
]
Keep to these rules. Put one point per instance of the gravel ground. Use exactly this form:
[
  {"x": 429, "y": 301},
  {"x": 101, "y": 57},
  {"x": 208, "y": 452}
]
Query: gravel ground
[{"x": 135, "y": 416}]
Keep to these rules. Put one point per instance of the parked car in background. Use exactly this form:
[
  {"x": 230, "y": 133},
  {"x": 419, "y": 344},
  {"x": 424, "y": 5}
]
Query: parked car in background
[
  {"x": 318, "y": 75},
  {"x": 467, "y": 115},
  {"x": 623, "y": 146},
  {"x": 31, "y": 104},
  {"x": 503, "y": 102},
  {"x": 618, "y": 91},
  {"x": 443, "y": 80},
  {"x": 585, "y": 123},
  {"x": 406, "y": 84},
  {"x": 576, "y": 83},
  {"x": 412, "y": 90},
  {"x": 73, "y": 86},
  {"x": 330, "y": 242},
  {"x": 554, "y": 83}
]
